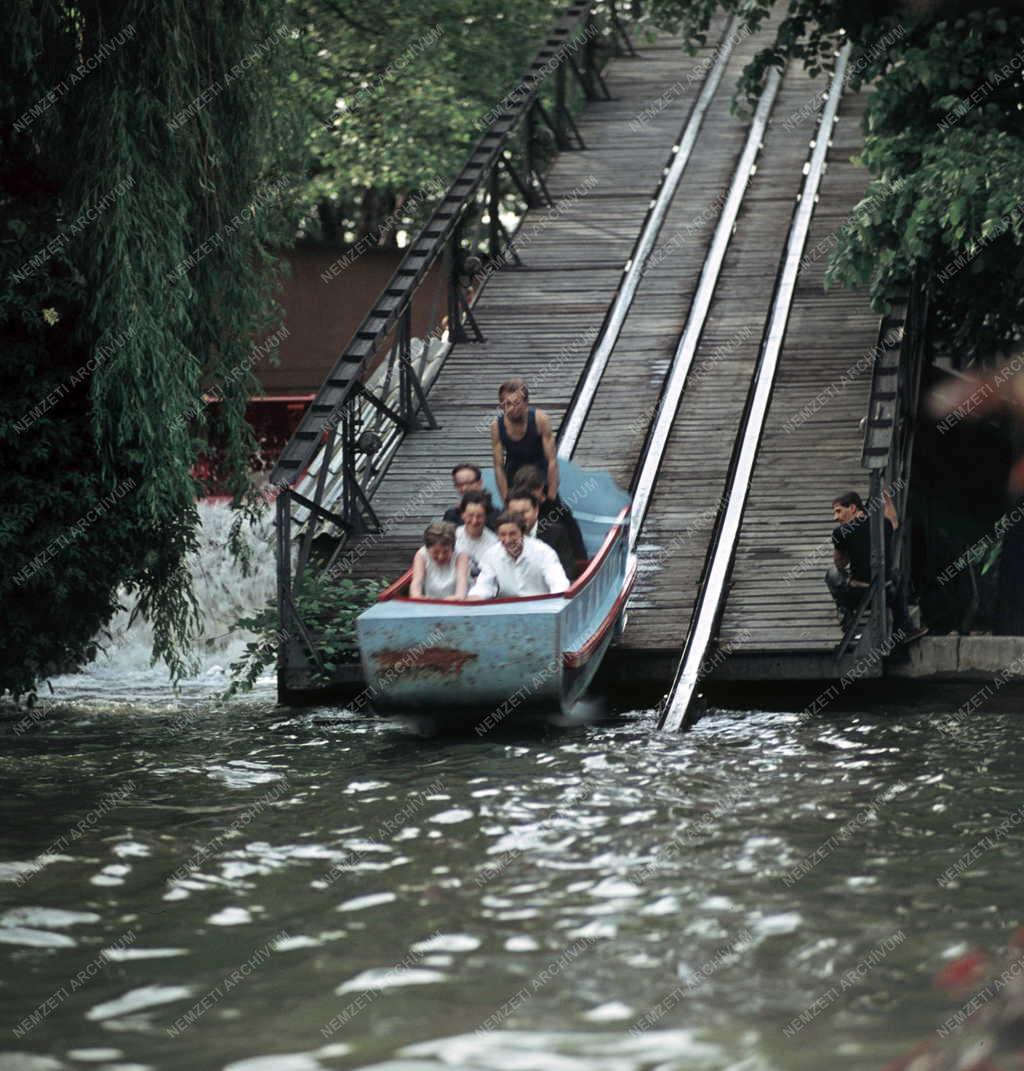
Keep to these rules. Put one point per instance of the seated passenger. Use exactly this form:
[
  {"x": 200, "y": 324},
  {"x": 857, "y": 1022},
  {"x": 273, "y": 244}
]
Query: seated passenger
[
  {"x": 468, "y": 477},
  {"x": 520, "y": 565},
  {"x": 438, "y": 571},
  {"x": 551, "y": 509},
  {"x": 473, "y": 537},
  {"x": 550, "y": 532}
]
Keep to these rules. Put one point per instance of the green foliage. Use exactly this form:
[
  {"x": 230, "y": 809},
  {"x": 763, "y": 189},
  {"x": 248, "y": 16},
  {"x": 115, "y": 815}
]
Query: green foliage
[
  {"x": 944, "y": 144},
  {"x": 153, "y": 153},
  {"x": 396, "y": 94},
  {"x": 148, "y": 149},
  {"x": 328, "y": 607}
]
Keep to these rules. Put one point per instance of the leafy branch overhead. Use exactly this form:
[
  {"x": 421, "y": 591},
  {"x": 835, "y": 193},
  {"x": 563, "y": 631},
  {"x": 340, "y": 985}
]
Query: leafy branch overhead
[
  {"x": 395, "y": 95},
  {"x": 944, "y": 146}
]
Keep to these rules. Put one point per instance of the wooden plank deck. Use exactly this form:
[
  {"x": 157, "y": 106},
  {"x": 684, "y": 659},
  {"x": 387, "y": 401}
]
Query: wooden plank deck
[
  {"x": 541, "y": 320},
  {"x": 811, "y": 447},
  {"x": 674, "y": 541}
]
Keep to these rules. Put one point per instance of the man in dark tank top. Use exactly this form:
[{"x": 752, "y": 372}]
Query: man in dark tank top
[{"x": 522, "y": 438}]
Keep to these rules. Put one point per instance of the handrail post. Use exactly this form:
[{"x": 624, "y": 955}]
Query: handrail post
[
  {"x": 493, "y": 208},
  {"x": 561, "y": 136},
  {"x": 404, "y": 356},
  {"x": 455, "y": 332},
  {"x": 282, "y": 522},
  {"x": 529, "y": 132},
  {"x": 349, "y": 505},
  {"x": 590, "y": 55},
  {"x": 876, "y": 519}
]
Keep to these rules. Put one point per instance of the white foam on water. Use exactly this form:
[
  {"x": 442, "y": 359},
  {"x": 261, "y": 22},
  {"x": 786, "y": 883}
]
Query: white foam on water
[{"x": 123, "y": 669}]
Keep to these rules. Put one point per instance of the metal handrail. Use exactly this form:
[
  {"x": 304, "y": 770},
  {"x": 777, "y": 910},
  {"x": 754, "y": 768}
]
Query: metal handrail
[
  {"x": 441, "y": 236},
  {"x": 887, "y": 454}
]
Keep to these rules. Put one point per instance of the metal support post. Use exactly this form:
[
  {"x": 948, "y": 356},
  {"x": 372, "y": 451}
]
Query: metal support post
[
  {"x": 561, "y": 135},
  {"x": 285, "y": 630},
  {"x": 493, "y": 210},
  {"x": 412, "y": 396},
  {"x": 590, "y": 56},
  {"x": 876, "y": 520}
]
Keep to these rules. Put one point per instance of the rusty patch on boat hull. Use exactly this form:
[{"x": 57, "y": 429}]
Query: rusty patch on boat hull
[{"x": 443, "y": 661}]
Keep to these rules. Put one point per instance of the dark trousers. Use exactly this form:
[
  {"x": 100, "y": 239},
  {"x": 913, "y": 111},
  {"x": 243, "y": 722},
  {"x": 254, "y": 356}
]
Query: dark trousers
[{"x": 848, "y": 598}]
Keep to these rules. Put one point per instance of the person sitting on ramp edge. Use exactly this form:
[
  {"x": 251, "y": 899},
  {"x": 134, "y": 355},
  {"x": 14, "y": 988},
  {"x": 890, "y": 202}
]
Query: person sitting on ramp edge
[{"x": 850, "y": 574}]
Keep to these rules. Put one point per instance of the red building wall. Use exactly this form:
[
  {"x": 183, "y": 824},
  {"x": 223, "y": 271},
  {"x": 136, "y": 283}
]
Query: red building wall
[{"x": 322, "y": 316}]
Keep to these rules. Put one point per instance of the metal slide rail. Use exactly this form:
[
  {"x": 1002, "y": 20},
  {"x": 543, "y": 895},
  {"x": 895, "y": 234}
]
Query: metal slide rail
[
  {"x": 676, "y": 714},
  {"x": 580, "y": 404},
  {"x": 672, "y": 392},
  {"x": 377, "y": 389}
]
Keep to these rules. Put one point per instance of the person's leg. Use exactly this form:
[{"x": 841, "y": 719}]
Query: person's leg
[
  {"x": 846, "y": 598},
  {"x": 895, "y": 599}
]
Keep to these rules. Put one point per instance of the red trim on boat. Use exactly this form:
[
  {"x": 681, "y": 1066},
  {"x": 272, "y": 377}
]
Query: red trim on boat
[
  {"x": 575, "y": 659},
  {"x": 390, "y": 592},
  {"x": 595, "y": 563}
]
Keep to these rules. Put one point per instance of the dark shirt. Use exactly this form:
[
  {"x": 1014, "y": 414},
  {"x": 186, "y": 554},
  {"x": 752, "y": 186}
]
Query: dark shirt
[
  {"x": 555, "y": 511},
  {"x": 854, "y": 540},
  {"x": 557, "y": 538},
  {"x": 527, "y": 451},
  {"x": 452, "y": 516}
]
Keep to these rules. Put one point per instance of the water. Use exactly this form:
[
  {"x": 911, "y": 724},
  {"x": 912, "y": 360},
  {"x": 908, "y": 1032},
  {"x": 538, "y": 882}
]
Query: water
[
  {"x": 191, "y": 884},
  {"x": 224, "y": 595},
  {"x": 303, "y": 890}
]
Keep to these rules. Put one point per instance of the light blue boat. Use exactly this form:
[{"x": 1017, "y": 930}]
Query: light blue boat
[{"x": 499, "y": 657}]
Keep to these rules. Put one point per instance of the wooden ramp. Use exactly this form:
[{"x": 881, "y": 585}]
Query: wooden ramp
[
  {"x": 811, "y": 448},
  {"x": 694, "y": 473},
  {"x": 541, "y": 320}
]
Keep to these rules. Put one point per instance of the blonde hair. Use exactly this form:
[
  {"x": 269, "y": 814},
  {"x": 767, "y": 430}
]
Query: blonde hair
[{"x": 439, "y": 532}]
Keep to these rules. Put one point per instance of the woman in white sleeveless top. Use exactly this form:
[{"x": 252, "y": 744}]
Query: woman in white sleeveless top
[
  {"x": 438, "y": 571},
  {"x": 473, "y": 537}
]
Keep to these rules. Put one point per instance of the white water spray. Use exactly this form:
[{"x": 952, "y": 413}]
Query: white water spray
[{"x": 123, "y": 666}]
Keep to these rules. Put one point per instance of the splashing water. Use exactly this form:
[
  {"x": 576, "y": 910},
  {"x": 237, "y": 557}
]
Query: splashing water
[{"x": 123, "y": 668}]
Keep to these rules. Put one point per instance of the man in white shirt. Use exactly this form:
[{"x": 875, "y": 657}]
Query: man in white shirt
[
  {"x": 521, "y": 565},
  {"x": 546, "y": 530}
]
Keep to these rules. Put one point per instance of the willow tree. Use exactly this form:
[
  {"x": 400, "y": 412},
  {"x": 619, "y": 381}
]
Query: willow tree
[{"x": 148, "y": 149}]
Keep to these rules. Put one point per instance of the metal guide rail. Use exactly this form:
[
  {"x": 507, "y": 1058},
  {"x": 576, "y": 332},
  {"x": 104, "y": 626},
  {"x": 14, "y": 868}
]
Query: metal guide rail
[
  {"x": 608, "y": 335},
  {"x": 668, "y": 406},
  {"x": 677, "y": 713}
]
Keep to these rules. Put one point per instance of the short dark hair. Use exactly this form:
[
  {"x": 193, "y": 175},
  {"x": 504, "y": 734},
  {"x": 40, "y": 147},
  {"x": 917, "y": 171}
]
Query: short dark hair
[
  {"x": 510, "y": 386},
  {"x": 850, "y": 498},
  {"x": 508, "y": 517},
  {"x": 475, "y": 498},
  {"x": 522, "y": 494},
  {"x": 528, "y": 479},
  {"x": 468, "y": 465}
]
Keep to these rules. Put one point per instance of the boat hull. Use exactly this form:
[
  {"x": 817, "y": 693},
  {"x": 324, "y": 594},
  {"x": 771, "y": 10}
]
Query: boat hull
[{"x": 496, "y": 657}]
